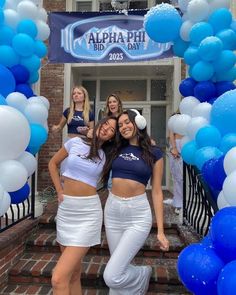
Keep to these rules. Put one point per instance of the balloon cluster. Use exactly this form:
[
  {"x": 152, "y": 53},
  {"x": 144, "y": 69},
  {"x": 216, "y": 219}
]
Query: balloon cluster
[
  {"x": 23, "y": 114},
  {"x": 209, "y": 267}
]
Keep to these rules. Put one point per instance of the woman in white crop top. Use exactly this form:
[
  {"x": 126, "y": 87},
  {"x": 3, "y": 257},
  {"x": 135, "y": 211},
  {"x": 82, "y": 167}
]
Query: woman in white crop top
[
  {"x": 127, "y": 214},
  {"x": 79, "y": 215}
]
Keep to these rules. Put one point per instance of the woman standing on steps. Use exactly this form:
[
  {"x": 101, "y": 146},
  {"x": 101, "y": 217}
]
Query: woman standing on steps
[
  {"x": 79, "y": 215},
  {"x": 127, "y": 215}
]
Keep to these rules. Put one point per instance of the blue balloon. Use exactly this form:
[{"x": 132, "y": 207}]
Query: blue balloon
[
  {"x": 6, "y": 35},
  {"x": 228, "y": 141},
  {"x": 206, "y": 242},
  {"x": 7, "y": 81},
  {"x": 208, "y": 171},
  {"x": 225, "y": 104},
  {"x": 1, "y": 16},
  {"x": 162, "y": 23},
  {"x": 34, "y": 77},
  {"x": 23, "y": 44},
  {"x": 2, "y": 100},
  {"x": 208, "y": 135},
  {"x": 220, "y": 19},
  {"x": 198, "y": 268},
  {"x": 226, "y": 284},
  {"x": 32, "y": 63},
  {"x": 204, "y": 91},
  {"x": 212, "y": 100},
  {"x": 200, "y": 31},
  {"x": 27, "y": 26},
  {"x": 228, "y": 38},
  {"x": 37, "y": 138},
  {"x": 225, "y": 61},
  {"x": 179, "y": 47},
  {"x": 2, "y": 3},
  {"x": 20, "y": 73},
  {"x": 186, "y": 87},
  {"x": 25, "y": 89},
  {"x": 229, "y": 75},
  {"x": 219, "y": 173},
  {"x": 188, "y": 152},
  {"x": 202, "y": 71},
  {"x": 40, "y": 48},
  {"x": 223, "y": 233},
  {"x": 224, "y": 86},
  {"x": 210, "y": 48},
  {"x": 8, "y": 56},
  {"x": 191, "y": 55},
  {"x": 20, "y": 195},
  {"x": 204, "y": 154}
]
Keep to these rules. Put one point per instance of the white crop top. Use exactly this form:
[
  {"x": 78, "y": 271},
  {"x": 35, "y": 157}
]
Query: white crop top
[{"x": 78, "y": 166}]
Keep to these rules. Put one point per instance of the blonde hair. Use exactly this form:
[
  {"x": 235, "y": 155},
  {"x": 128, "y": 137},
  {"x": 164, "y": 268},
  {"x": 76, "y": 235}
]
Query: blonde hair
[
  {"x": 107, "y": 111},
  {"x": 86, "y": 107}
]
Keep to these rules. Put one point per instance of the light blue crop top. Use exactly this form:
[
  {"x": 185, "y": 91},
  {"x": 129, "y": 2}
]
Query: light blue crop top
[{"x": 78, "y": 166}]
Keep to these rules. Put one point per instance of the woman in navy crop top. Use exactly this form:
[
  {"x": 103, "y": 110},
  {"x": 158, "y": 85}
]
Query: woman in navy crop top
[
  {"x": 127, "y": 215},
  {"x": 79, "y": 215},
  {"x": 78, "y": 116}
]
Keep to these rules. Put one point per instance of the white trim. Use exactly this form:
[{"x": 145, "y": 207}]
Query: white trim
[{"x": 176, "y": 82}]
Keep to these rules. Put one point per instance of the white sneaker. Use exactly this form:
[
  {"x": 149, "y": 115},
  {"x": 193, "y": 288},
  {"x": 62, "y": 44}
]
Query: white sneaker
[{"x": 168, "y": 201}]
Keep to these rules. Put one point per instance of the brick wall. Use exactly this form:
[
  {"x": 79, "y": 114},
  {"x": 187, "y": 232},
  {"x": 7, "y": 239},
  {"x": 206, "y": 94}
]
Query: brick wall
[{"x": 52, "y": 87}]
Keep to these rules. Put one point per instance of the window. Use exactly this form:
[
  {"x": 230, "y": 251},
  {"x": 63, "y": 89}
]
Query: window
[
  {"x": 158, "y": 90},
  {"x": 83, "y": 5}
]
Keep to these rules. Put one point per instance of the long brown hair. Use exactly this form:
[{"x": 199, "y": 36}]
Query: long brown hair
[{"x": 120, "y": 107}]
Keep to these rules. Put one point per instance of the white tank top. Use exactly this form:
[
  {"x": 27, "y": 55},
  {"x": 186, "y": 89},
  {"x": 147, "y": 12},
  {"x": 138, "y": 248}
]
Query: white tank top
[{"x": 78, "y": 166}]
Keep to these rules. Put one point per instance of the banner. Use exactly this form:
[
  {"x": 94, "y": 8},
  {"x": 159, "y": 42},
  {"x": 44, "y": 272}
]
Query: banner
[{"x": 102, "y": 37}]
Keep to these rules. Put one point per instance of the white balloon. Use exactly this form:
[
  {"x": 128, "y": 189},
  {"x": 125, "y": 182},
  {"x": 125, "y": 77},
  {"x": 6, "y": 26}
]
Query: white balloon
[
  {"x": 185, "y": 30},
  {"x": 11, "y": 4},
  {"x": 183, "y": 5},
  {"x": 14, "y": 133},
  {"x": 27, "y": 10},
  {"x": 36, "y": 113},
  {"x": 230, "y": 161},
  {"x": 45, "y": 101},
  {"x": 43, "y": 30},
  {"x": 229, "y": 188},
  {"x": 184, "y": 140},
  {"x": 221, "y": 202},
  {"x": 198, "y": 10},
  {"x": 29, "y": 162},
  {"x": 11, "y": 18},
  {"x": 194, "y": 125},
  {"x": 5, "y": 202},
  {"x": 187, "y": 105},
  {"x": 171, "y": 122},
  {"x": 42, "y": 14},
  {"x": 1, "y": 191},
  {"x": 13, "y": 175},
  {"x": 17, "y": 100},
  {"x": 203, "y": 109},
  {"x": 180, "y": 124}
]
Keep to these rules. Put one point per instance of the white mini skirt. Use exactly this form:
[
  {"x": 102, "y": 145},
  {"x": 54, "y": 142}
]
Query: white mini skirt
[{"x": 79, "y": 221}]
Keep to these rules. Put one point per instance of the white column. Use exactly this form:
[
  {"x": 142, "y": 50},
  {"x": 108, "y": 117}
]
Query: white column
[{"x": 176, "y": 82}]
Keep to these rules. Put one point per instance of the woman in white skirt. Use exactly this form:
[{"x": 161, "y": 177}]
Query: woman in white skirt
[
  {"x": 79, "y": 216},
  {"x": 127, "y": 215}
]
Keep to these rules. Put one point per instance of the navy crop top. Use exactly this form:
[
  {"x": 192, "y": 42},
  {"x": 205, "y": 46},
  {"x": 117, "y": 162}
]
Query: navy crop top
[
  {"x": 77, "y": 120},
  {"x": 130, "y": 165}
]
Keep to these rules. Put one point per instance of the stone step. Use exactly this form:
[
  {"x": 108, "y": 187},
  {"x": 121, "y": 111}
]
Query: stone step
[
  {"x": 44, "y": 240},
  {"x": 36, "y": 268}
]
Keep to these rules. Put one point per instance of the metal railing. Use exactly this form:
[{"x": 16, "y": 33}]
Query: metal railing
[
  {"x": 21, "y": 211},
  {"x": 198, "y": 205}
]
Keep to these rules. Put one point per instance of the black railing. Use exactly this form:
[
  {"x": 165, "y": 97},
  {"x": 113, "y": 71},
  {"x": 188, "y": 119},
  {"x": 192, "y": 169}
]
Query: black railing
[
  {"x": 198, "y": 204},
  {"x": 19, "y": 212}
]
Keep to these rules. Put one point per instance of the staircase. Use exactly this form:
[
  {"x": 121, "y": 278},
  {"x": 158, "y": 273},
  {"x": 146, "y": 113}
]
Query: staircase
[{"x": 32, "y": 273}]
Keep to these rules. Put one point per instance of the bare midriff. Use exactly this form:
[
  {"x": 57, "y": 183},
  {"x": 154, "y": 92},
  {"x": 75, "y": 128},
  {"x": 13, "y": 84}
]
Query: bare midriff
[
  {"x": 127, "y": 188},
  {"x": 78, "y": 188}
]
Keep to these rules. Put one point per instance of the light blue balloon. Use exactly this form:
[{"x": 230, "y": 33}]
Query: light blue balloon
[
  {"x": 210, "y": 48},
  {"x": 162, "y": 23},
  {"x": 228, "y": 38},
  {"x": 23, "y": 44},
  {"x": 6, "y": 35},
  {"x": 2, "y": 3},
  {"x": 32, "y": 63},
  {"x": 38, "y": 137},
  {"x": 228, "y": 142},
  {"x": 229, "y": 75},
  {"x": 8, "y": 57},
  {"x": 223, "y": 113},
  {"x": 40, "y": 48},
  {"x": 220, "y": 19},
  {"x": 179, "y": 47},
  {"x": 188, "y": 152},
  {"x": 27, "y": 26},
  {"x": 225, "y": 61},
  {"x": 191, "y": 55},
  {"x": 1, "y": 16},
  {"x": 2, "y": 100},
  {"x": 34, "y": 77},
  {"x": 202, "y": 71},
  {"x": 200, "y": 31},
  {"x": 208, "y": 135},
  {"x": 233, "y": 25},
  {"x": 206, "y": 153}
]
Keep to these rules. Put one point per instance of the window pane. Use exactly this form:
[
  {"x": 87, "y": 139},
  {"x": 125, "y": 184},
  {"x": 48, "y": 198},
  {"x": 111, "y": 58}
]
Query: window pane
[
  {"x": 83, "y": 6},
  {"x": 105, "y": 5},
  {"x": 127, "y": 90},
  {"x": 91, "y": 88},
  {"x": 158, "y": 90},
  {"x": 138, "y": 4}
]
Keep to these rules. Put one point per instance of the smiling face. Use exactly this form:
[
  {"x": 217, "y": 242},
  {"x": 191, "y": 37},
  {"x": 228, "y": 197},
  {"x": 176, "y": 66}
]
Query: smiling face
[
  {"x": 107, "y": 130},
  {"x": 127, "y": 129},
  {"x": 113, "y": 105}
]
